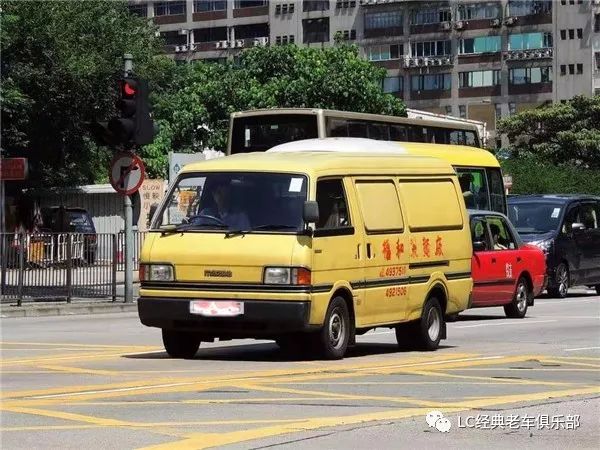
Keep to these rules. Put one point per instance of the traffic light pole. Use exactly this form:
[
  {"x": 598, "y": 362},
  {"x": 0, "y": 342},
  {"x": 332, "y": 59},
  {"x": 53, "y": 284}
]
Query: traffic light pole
[{"x": 128, "y": 68}]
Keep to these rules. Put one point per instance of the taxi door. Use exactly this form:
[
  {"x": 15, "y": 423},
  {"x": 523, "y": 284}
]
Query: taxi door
[
  {"x": 386, "y": 263},
  {"x": 506, "y": 256},
  {"x": 484, "y": 265}
]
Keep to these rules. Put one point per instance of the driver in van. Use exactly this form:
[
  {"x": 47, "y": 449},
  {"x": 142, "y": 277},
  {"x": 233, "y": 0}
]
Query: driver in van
[
  {"x": 223, "y": 210},
  {"x": 465, "y": 180}
]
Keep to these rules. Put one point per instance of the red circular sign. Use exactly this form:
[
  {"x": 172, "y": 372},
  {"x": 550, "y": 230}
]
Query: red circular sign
[{"x": 127, "y": 173}]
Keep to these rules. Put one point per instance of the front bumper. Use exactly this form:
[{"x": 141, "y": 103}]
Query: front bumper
[{"x": 261, "y": 318}]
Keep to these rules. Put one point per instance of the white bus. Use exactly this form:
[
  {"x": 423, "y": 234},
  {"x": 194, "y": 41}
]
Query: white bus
[{"x": 259, "y": 130}]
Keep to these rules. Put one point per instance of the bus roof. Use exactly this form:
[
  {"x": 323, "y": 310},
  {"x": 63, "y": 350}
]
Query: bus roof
[
  {"x": 457, "y": 155},
  {"x": 319, "y": 162},
  {"x": 450, "y": 123}
]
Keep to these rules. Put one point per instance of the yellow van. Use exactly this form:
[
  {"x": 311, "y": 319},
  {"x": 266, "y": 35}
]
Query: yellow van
[{"x": 309, "y": 249}]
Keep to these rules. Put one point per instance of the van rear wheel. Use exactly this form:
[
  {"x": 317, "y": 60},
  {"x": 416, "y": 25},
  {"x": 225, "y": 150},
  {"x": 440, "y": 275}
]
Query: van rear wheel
[
  {"x": 180, "y": 344},
  {"x": 598, "y": 289},
  {"x": 430, "y": 326},
  {"x": 332, "y": 340}
]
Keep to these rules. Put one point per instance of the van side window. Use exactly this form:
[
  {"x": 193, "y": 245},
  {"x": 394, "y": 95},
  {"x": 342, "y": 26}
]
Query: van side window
[
  {"x": 333, "y": 207},
  {"x": 383, "y": 194},
  {"x": 474, "y": 187}
]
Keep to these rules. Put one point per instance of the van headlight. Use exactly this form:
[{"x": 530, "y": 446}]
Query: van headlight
[
  {"x": 156, "y": 272},
  {"x": 286, "y": 275},
  {"x": 543, "y": 245}
]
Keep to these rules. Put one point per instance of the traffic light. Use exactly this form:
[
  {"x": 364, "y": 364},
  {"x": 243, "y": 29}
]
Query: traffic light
[{"x": 134, "y": 126}]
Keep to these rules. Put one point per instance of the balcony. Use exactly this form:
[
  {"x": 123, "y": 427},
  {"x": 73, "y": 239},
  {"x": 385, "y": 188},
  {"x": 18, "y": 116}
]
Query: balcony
[
  {"x": 520, "y": 55},
  {"x": 417, "y": 62}
]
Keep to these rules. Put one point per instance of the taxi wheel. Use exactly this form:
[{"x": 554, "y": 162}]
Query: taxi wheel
[
  {"x": 430, "y": 326},
  {"x": 180, "y": 344},
  {"x": 518, "y": 307},
  {"x": 332, "y": 340},
  {"x": 598, "y": 289},
  {"x": 560, "y": 285}
]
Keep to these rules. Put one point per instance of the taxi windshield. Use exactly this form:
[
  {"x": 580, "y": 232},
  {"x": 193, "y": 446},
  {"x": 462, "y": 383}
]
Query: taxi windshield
[{"x": 235, "y": 201}]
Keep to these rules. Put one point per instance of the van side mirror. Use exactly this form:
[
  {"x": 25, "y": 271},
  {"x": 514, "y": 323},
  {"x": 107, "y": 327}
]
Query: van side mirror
[
  {"x": 577, "y": 227},
  {"x": 310, "y": 212},
  {"x": 479, "y": 246}
]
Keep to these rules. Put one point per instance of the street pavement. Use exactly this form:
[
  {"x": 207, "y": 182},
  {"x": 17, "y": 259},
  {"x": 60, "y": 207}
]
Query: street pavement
[{"x": 103, "y": 381}]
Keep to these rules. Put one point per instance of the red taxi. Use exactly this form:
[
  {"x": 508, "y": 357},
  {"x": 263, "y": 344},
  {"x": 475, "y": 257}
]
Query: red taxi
[{"x": 506, "y": 272}]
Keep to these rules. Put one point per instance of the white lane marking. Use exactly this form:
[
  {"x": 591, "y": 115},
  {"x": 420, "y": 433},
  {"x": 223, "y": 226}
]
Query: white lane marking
[
  {"x": 429, "y": 363},
  {"x": 523, "y": 322},
  {"x": 580, "y": 348},
  {"x": 571, "y": 317},
  {"x": 379, "y": 332},
  {"x": 541, "y": 301}
]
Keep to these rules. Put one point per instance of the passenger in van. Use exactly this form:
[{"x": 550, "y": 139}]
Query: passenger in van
[
  {"x": 465, "y": 185},
  {"x": 223, "y": 210}
]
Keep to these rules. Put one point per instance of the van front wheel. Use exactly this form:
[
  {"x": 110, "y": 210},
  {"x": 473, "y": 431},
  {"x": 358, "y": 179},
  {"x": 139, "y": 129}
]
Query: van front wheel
[
  {"x": 430, "y": 326},
  {"x": 180, "y": 344},
  {"x": 332, "y": 340}
]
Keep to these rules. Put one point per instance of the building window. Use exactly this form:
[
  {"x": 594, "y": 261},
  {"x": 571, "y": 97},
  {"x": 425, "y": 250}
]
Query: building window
[
  {"x": 479, "y": 78},
  {"x": 571, "y": 69},
  {"x": 249, "y": 3},
  {"x": 210, "y": 34},
  {"x": 251, "y": 31},
  {"x": 563, "y": 69},
  {"x": 571, "y": 34},
  {"x": 345, "y": 4},
  {"x": 597, "y": 58},
  {"x": 315, "y": 5},
  {"x": 512, "y": 108},
  {"x": 482, "y": 44},
  {"x": 579, "y": 33},
  {"x": 434, "y": 15},
  {"x": 563, "y": 2},
  {"x": 473, "y": 11},
  {"x": 448, "y": 110},
  {"x": 209, "y": 5},
  {"x": 528, "y": 7},
  {"x": 431, "y": 82},
  {"x": 528, "y": 41},
  {"x": 169, "y": 8},
  {"x": 392, "y": 19},
  {"x": 284, "y": 8},
  {"x": 462, "y": 111},
  {"x": 285, "y": 39},
  {"x": 563, "y": 34},
  {"x": 315, "y": 30},
  {"x": 393, "y": 84},
  {"x": 173, "y": 38},
  {"x": 431, "y": 48},
  {"x": 139, "y": 9},
  {"x": 597, "y": 22},
  {"x": 384, "y": 52},
  {"x": 530, "y": 75},
  {"x": 579, "y": 69},
  {"x": 498, "y": 111}
]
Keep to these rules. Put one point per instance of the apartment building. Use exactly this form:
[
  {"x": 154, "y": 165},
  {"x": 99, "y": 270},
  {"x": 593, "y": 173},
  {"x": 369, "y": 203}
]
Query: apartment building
[{"x": 474, "y": 59}]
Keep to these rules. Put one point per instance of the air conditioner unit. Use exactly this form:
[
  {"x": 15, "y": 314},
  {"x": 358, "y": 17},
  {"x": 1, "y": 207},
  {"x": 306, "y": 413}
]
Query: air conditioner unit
[
  {"x": 257, "y": 42},
  {"x": 239, "y": 44},
  {"x": 510, "y": 21},
  {"x": 177, "y": 49},
  {"x": 412, "y": 62},
  {"x": 446, "y": 26},
  {"x": 437, "y": 62},
  {"x": 447, "y": 61},
  {"x": 459, "y": 25},
  {"x": 192, "y": 48},
  {"x": 548, "y": 53},
  {"x": 184, "y": 48},
  {"x": 495, "y": 23},
  {"x": 421, "y": 62},
  {"x": 521, "y": 55}
]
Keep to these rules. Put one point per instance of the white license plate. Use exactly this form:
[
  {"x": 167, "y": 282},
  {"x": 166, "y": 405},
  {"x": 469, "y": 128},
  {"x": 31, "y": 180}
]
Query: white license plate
[{"x": 216, "y": 308}]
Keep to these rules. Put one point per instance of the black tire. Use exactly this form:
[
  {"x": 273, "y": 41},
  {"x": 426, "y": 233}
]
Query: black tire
[
  {"x": 332, "y": 340},
  {"x": 598, "y": 289},
  {"x": 430, "y": 327},
  {"x": 560, "y": 284},
  {"x": 180, "y": 344},
  {"x": 518, "y": 307}
]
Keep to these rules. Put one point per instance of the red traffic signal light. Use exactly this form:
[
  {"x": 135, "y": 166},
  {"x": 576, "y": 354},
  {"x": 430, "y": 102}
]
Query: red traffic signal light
[{"x": 128, "y": 88}]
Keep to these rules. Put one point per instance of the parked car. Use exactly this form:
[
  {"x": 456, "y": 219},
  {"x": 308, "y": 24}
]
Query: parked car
[
  {"x": 567, "y": 229},
  {"x": 61, "y": 219},
  {"x": 506, "y": 272}
]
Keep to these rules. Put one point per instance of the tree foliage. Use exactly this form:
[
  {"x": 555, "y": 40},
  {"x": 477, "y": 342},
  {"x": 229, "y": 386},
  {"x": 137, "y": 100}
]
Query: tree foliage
[
  {"x": 194, "y": 112},
  {"x": 562, "y": 133},
  {"x": 60, "y": 63}
]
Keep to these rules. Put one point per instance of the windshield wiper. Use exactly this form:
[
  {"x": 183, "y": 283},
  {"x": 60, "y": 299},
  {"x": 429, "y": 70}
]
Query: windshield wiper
[
  {"x": 167, "y": 229},
  {"x": 271, "y": 226}
]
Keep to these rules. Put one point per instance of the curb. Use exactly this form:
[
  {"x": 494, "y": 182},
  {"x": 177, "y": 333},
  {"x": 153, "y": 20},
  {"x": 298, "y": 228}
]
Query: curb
[{"x": 66, "y": 309}]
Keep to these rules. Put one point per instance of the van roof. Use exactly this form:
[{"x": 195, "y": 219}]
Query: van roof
[
  {"x": 457, "y": 155},
  {"x": 318, "y": 162}
]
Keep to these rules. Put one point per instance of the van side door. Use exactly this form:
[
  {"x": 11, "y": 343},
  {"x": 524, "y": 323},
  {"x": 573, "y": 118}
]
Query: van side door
[
  {"x": 386, "y": 264},
  {"x": 338, "y": 255}
]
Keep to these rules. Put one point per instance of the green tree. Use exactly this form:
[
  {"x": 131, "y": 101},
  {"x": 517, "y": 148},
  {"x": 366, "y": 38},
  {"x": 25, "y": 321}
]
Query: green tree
[
  {"x": 194, "y": 111},
  {"x": 60, "y": 63},
  {"x": 562, "y": 133}
]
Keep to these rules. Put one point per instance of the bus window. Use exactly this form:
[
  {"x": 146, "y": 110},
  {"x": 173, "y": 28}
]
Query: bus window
[
  {"x": 496, "y": 190},
  {"x": 471, "y": 139},
  {"x": 357, "y": 129},
  {"x": 259, "y": 133},
  {"x": 337, "y": 128},
  {"x": 473, "y": 183},
  {"x": 417, "y": 134},
  {"x": 398, "y": 133},
  {"x": 378, "y": 131}
]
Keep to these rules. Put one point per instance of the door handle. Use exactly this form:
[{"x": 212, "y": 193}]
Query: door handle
[
  {"x": 518, "y": 259},
  {"x": 493, "y": 260},
  {"x": 369, "y": 251}
]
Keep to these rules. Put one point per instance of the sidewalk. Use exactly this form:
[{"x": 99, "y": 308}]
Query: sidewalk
[{"x": 77, "y": 307}]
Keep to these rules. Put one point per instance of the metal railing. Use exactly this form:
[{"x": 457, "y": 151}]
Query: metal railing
[{"x": 63, "y": 266}]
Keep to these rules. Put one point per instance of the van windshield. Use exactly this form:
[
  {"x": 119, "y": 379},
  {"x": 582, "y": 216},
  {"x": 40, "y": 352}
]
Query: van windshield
[
  {"x": 235, "y": 201},
  {"x": 535, "y": 218}
]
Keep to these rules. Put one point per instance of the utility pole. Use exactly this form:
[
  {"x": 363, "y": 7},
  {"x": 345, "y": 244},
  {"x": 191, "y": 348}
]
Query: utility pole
[{"x": 127, "y": 71}]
